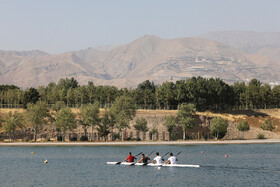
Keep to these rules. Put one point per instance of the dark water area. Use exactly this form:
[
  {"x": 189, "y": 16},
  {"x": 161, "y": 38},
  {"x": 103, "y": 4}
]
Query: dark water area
[{"x": 246, "y": 165}]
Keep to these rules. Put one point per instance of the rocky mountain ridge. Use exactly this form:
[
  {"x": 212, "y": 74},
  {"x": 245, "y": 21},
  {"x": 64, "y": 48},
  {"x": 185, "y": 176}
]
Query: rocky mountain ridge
[{"x": 148, "y": 57}]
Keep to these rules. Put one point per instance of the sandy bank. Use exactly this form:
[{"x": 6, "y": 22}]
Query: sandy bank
[{"x": 144, "y": 143}]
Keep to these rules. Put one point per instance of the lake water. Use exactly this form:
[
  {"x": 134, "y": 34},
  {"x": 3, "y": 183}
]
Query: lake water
[{"x": 246, "y": 165}]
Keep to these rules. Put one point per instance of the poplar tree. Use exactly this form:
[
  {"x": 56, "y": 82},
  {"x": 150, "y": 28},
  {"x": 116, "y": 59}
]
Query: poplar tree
[
  {"x": 90, "y": 116},
  {"x": 65, "y": 121},
  {"x": 37, "y": 115},
  {"x": 186, "y": 118}
]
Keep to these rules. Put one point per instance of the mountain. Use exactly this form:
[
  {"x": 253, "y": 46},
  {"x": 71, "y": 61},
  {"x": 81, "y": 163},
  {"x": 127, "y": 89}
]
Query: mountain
[
  {"x": 148, "y": 57},
  {"x": 260, "y": 44}
]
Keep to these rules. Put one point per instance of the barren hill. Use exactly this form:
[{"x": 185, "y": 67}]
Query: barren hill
[
  {"x": 148, "y": 57},
  {"x": 261, "y": 44}
]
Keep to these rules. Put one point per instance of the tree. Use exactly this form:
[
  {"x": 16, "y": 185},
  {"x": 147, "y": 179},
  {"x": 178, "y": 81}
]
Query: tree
[
  {"x": 165, "y": 95},
  {"x": 153, "y": 131},
  {"x": 70, "y": 97},
  {"x": 58, "y": 106},
  {"x": 253, "y": 93},
  {"x": 268, "y": 125},
  {"x": 141, "y": 125},
  {"x": 67, "y": 83},
  {"x": 123, "y": 109},
  {"x": 13, "y": 121},
  {"x": 110, "y": 117},
  {"x": 90, "y": 116},
  {"x": 103, "y": 127},
  {"x": 218, "y": 127},
  {"x": 275, "y": 94},
  {"x": 30, "y": 96},
  {"x": 243, "y": 126},
  {"x": 239, "y": 99},
  {"x": 1, "y": 121},
  {"x": 65, "y": 120},
  {"x": 265, "y": 95},
  {"x": 185, "y": 117},
  {"x": 170, "y": 124},
  {"x": 37, "y": 115},
  {"x": 145, "y": 93}
]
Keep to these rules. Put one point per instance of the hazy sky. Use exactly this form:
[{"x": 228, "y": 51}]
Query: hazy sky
[{"x": 57, "y": 26}]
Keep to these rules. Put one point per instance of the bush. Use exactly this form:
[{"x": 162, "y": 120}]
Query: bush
[
  {"x": 138, "y": 139},
  {"x": 116, "y": 136},
  {"x": 59, "y": 138},
  {"x": 218, "y": 127},
  {"x": 73, "y": 139},
  {"x": 48, "y": 139},
  {"x": 26, "y": 139},
  {"x": 84, "y": 138},
  {"x": 268, "y": 125},
  {"x": 130, "y": 139},
  {"x": 260, "y": 136},
  {"x": 243, "y": 126},
  {"x": 1, "y": 139}
]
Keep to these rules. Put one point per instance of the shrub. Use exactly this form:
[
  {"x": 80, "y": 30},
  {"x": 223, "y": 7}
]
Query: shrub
[
  {"x": 243, "y": 126},
  {"x": 59, "y": 138},
  {"x": 116, "y": 136},
  {"x": 130, "y": 139},
  {"x": 84, "y": 138},
  {"x": 48, "y": 139},
  {"x": 73, "y": 139},
  {"x": 260, "y": 136},
  {"x": 26, "y": 139},
  {"x": 268, "y": 125},
  {"x": 1, "y": 139},
  {"x": 218, "y": 127}
]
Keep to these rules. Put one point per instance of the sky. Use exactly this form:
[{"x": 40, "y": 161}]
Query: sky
[{"x": 57, "y": 26}]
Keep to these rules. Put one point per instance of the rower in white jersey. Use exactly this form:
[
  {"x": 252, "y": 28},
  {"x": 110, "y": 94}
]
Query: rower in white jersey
[
  {"x": 157, "y": 159},
  {"x": 171, "y": 160}
]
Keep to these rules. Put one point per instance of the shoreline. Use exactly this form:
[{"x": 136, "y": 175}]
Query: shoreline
[{"x": 266, "y": 141}]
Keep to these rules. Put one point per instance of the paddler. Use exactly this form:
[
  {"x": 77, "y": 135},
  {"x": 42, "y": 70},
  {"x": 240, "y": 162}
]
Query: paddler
[
  {"x": 157, "y": 159},
  {"x": 144, "y": 159},
  {"x": 171, "y": 160},
  {"x": 130, "y": 158}
]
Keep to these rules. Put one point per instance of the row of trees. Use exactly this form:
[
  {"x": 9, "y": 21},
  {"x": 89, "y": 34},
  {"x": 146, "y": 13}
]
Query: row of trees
[
  {"x": 119, "y": 115},
  {"x": 62, "y": 118},
  {"x": 203, "y": 93}
]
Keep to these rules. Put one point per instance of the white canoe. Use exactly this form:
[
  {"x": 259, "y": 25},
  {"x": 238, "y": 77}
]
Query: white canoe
[
  {"x": 181, "y": 165},
  {"x": 114, "y": 163},
  {"x": 122, "y": 163},
  {"x": 151, "y": 164},
  {"x": 175, "y": 165}
]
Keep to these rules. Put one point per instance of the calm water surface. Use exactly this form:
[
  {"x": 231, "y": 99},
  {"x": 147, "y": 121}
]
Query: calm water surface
[{"x": 246, "y": 165}]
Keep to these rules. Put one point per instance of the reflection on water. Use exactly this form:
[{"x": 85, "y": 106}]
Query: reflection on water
[{"x": 246, "y": 165}]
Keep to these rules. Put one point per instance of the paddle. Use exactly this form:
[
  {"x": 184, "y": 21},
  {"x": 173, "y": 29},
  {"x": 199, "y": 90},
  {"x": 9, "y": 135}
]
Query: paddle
[
  {"x": 164, "y": 155},
  {"x": 138, "y": 154},
  {"x": 134, "y": 156},
  {"x": 177, "y": 155},
  {"x": 150, "y": 153}
]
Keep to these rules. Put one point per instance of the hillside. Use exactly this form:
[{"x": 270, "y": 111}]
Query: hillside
[
  {"x": 148, "y": 57},
  {"x": 260, "y": 44}
]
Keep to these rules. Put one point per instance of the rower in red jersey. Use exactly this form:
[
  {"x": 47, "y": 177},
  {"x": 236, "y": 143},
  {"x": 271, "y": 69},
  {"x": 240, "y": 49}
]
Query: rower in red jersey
[{"x": 130, "y": 158}]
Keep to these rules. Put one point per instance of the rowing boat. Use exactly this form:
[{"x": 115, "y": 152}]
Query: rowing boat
[{"x": 151, "y": 164}]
